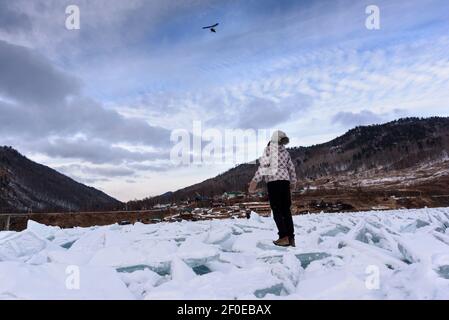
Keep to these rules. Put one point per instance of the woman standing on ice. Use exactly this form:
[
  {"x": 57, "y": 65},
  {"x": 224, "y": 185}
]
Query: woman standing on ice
[{"x": 277, "y": 170}]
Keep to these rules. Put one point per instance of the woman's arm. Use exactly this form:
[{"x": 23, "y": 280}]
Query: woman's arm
[
  {"x": 291, "y": 171},
  {"x": 258, "y": 176}
]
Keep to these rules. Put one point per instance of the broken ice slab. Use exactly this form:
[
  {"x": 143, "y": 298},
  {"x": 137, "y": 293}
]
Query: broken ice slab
[
  {"x": 383, "y": 255},
  {"x": 277, "y": 290},
  {"x": 251, "y": 228},
  {"x": 412, "y": 227},
  {"x": 368, "y": 236},
  {"x": 407, "y": 256},
  {"x": 162, "y": 269},
  {"x": 41, "y": 230},
  {"x": 310, "y": 230},
  {"x": 288, "y": 272},
  {"x": 69, "y": 257},
  {"x": 440, "y": 229},
  {"x": 132, "y": 269},
  {"x": 440, "y": 263},
  {"x": 307, "y": 258},
  {"x": 6, "y": 234},
  {"x": 47, "y": 282},
  {"x": 139, "y": 282},
  {"x": 195, "y": 262},
  {"x": 68, "y": 245},
  {"x": 271, "y": 259},
  {"x": 238, "y": 259},
  {"x": 180, "y": 271},
  {"x": 194, "y": 248},
  {"x": 424, "y": 247},
  {"x": 441, "y": 219},
  {"x": 195, "y": 253},
  {"x": 333, "y": 284},
  {"x": 334, "y": 231},
  {"x": 441, "y": 237},
  {"x": 443, "y": 271},
  {"x": 201, "y": 269},
  {"x": 22, "y": 244},
  {"x": 265, "y": 245},
  {"x": 236, "y": 230},
  {"x": 218, "y": 236}
]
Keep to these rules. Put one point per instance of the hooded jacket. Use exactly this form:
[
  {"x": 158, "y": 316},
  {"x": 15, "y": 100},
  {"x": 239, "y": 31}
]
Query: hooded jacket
[{"x": 275, "y": 164}]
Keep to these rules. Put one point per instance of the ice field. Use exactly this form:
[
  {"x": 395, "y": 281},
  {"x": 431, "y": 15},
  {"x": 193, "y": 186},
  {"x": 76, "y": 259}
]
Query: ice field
[{"x": 401, "y": 254}]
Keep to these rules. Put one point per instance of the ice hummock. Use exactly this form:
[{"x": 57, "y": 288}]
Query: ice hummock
[{"x": 235, "y": 259}]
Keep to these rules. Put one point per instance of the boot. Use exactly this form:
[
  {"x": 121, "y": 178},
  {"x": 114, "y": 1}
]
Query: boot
[
  {"x": 292, "y": 242},
  {"x": 282, "y": 242}
]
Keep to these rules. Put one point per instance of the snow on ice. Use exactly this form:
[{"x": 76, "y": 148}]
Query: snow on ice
[{"x": 401, "y": 254}]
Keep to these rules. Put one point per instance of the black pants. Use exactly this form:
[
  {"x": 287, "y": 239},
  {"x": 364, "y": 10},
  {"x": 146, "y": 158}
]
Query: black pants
[{"x": 280, "y": 202}]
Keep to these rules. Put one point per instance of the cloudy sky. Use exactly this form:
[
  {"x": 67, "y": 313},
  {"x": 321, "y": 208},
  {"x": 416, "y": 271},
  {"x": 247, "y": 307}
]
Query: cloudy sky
[{"x": 99, "y": 103}]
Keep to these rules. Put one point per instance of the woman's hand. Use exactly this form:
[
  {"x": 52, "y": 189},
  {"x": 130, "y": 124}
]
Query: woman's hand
[{"x": 252, "y": 187}]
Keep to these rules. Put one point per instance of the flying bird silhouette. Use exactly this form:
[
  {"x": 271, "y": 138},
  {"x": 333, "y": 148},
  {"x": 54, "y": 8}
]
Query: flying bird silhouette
[{"x": 212, "y": 28}]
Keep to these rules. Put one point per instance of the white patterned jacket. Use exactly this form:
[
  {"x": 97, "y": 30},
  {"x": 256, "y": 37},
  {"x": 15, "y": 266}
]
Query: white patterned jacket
[{"x": 275, "y": 164}]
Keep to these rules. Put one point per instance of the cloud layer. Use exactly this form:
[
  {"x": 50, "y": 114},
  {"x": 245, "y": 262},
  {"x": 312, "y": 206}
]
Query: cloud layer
[{"x": 100, "y": 102}]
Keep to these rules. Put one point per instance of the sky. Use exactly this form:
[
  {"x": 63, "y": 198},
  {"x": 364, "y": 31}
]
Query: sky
[{"x": 100, "y": 103}]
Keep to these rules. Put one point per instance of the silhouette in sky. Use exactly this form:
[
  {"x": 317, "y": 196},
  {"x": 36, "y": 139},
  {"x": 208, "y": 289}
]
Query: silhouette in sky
[{"x": 212, "y": 28}]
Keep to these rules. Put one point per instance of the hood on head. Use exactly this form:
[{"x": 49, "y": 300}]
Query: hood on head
[{"x": 280, "y": 137}]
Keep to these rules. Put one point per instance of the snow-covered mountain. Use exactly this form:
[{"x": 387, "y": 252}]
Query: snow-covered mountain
[
  {"x": 28, "y": 186},
  {"x": 401, "y": 254}
]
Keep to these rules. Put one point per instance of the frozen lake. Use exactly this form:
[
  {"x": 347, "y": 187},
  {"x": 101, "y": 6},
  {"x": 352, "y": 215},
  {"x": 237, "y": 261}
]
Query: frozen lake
[{"x": 401, "y": 254}]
